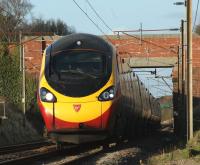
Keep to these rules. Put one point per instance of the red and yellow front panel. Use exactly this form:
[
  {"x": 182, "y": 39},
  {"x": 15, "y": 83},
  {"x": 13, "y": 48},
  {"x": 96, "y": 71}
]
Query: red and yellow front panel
[{"x": 69, "y": 112}]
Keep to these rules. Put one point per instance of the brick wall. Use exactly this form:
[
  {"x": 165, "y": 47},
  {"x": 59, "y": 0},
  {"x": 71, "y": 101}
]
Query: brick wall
[
  {"x": 149, "y": 46},
  {"x": 33, "y": 51},
  {"x": 33, "y": 56},
  {"x": 152, "y": 46}
]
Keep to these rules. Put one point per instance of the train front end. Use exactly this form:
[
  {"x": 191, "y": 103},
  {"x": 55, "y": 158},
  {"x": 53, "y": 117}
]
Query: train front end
[{"x": 77, "y": 88}]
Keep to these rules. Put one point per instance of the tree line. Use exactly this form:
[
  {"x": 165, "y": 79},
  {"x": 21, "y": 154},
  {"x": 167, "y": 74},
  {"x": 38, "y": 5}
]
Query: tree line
[{"x": 13, "y": 18}]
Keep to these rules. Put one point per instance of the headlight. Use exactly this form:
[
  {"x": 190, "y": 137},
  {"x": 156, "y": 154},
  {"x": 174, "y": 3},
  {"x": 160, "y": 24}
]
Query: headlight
[
  {"x": 108, "y": 94},
  {"x": 47, "y": 96}
]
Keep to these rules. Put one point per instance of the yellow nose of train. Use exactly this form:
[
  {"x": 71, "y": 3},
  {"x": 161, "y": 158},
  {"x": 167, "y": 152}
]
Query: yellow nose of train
[
  {"x": 77, "y": 87},
  {"x": 68, "y": 112}
]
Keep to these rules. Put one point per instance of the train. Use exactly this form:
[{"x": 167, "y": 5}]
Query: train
[{"x": 85, "y": 95}]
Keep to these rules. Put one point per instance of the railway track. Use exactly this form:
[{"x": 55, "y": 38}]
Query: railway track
[
  {"x": 47, "y": 153},
  {"x": 25, "y": 157},
  {"x": 22, "y": 147},
  {"x": 44, "y": 153},
  {"x": 18, "y": 153},
  {"x": 134, "y": 151}
]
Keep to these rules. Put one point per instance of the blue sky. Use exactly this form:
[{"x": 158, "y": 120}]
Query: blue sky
[
  {"x": 156, "y": 85},
  {"x": 126, "y": 14},
  {"x": 119, "y": 15}
]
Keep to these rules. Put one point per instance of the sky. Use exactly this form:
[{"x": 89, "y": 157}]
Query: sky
[
  {"x": 119, "y": 15},
  {"x": 155, "y": 83}
]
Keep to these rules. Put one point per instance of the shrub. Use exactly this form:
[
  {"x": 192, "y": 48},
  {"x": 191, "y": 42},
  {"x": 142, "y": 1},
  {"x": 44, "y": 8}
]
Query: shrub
[{"x": 10, "y": 76}]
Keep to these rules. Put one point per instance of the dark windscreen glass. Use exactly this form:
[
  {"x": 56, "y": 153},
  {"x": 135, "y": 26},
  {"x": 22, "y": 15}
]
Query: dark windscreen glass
[{"x": 78, "y": 73}]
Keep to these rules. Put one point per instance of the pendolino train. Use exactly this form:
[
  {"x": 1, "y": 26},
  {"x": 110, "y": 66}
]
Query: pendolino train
[{"x": 84, "y": 95}]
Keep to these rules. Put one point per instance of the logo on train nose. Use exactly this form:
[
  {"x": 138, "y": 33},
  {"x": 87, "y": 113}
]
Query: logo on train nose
[{"x": 77, "y": 107}]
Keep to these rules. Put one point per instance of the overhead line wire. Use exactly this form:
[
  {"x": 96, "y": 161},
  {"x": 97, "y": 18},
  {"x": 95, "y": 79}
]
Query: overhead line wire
[
  {"x": 146, "y": 30},
  {"x": 158, "y": 81},
  {"x": 92, "y": 20},
  {"x": 24, "y": 42},
  {"x": 149, "y": 42},
  {"x": 98, "y": 15},
  {"x": 163, "y": 90}
]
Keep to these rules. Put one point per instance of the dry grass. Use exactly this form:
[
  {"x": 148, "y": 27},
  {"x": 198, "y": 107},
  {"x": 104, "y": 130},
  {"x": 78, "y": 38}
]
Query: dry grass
[
  {"x": 190, "y": 155},
  {"x": 14, "y": 131}
]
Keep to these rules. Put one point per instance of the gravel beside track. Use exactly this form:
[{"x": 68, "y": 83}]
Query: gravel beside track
[{"x": 136, "y": 151}]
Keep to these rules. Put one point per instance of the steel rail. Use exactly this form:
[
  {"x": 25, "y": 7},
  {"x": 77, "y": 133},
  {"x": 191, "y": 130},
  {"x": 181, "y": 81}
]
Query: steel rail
[
  {"x": 50, "y": 152},
  {"x": 22, "y": 147}
]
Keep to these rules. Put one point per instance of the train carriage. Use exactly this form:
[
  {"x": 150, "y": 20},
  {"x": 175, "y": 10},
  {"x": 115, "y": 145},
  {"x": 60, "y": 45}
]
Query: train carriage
[{"x": 83, "y": 93}]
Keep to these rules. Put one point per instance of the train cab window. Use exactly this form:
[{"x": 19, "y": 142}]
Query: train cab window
[
  {"x": 79, "y": 73},
  {"x": 84, "y": 64}
]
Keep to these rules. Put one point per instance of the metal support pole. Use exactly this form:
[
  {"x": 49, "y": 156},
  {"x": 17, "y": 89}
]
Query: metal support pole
[
  {"x": 183, "y": 72},
  {"x": 23, "y": 84},
  {"x": 3, "y": 117},
  {"x": 178, "y": 71},
  {"x": 189, "y": 69},
  {"x": 183, "y": 56},
  {"x": 20, "y": 51}
]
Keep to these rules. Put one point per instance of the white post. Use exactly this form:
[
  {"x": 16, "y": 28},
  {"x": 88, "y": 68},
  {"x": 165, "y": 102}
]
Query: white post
[{"x": 23, "y": 83}]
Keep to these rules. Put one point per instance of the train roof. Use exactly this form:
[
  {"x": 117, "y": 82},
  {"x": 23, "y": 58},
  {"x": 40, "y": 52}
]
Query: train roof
[{"x": 82, "y": 41}]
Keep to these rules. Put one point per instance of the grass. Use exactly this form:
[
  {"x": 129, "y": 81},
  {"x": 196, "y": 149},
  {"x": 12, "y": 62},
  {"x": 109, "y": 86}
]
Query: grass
[
  {"x": 190, "y": 152},
  {"x": 13, "y": 130}
]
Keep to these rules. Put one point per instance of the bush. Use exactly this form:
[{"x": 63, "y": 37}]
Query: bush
[
  {"x": 11, "y": 86},
  {"x": 11, "y": 79},
  {"x": 10, "y": 76},
  {"x": 31, "y": 89},
  {"x": 32, "y": 111}
]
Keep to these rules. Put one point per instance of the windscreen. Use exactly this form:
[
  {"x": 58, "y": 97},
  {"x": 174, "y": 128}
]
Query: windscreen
[{"x": 78, "y": 73}]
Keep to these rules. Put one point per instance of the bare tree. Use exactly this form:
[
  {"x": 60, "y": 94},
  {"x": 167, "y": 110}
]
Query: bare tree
[
  {"x": 52, "y": 26},
  {"x": 12, "y": 15}
]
